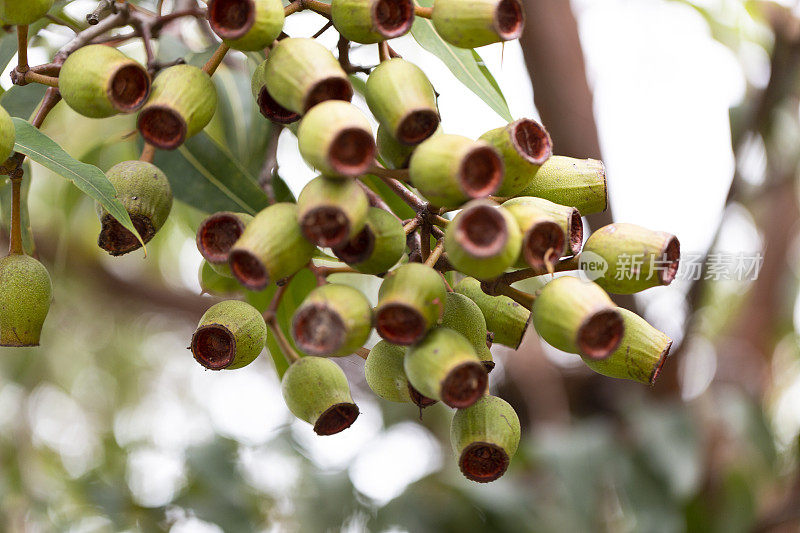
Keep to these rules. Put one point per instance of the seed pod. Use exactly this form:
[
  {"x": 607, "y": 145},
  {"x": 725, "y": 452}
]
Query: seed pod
[
  {"x": 377, "y": 247},
  {"x": 271, "y": 248},
  {"x": 578, "y": 317},
  {"x": 478, "y": 22},
  {"x": 267, "y": 105},
  {"x": 99, "y": 81},
  {"x": 25, "y": 296},
  {"x": 217, "y": 234},
  {"x": 230, "y": 335},
  {"x": 640, "y": 355},
  {"x": 450, "y": 169},
  {"x": 524, "y": 146},
  {"x": 403, "y": 101},
  {"x": 216, "y": 283},
  {"x": 248, "y": 25},
  {"x": 7, "y": 136},
  {"x": 444, "y": 366},
  {"x": 636, "y": 258},
  {"x": 484, "y": 437},
  {"x": 334, "y": 320},
  {"x": 300, "y": 73},
  {"x": 336, "y": 138},
  {"x": 147, "y": 197},
  {"x": 579, "y": 183},
  {"x": 410, "y": 302},
  {"x": 483, "y": 240},
  {"x": 316, "y": 390},
  {"x": 385, "y": 374},
  {"x": 394, "y": 154},
  {"x": 371, "y": 21},
  {"x": 332, "y": 211},
  {"x": 182, "y": 102},
  {"x": 549, "y": 230},
  {"x": 505, "y": 318},
  {"x": 23, "y": 12},
  {"x": 464, "y": 316}
]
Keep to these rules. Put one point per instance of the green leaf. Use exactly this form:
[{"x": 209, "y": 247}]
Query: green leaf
[
  {"x": 88, "y": 178},
  {"x": 22, "y": 101},
  {"x": 465, "y": 64}
]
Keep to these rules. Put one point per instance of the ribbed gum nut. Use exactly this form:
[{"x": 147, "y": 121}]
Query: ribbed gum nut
[
  {"x": 403, "y": 101},
  {"x": 524, "y": 146},
  {"x": 578, "y": 317},
  {"x": 640, "y": 355},
  {"x": 182, "y": 102},
  {"x": 23, "y": 12},
  {"x": 336, "y": 138},
  {"x": 410, "y": 302},
  {"x": 505, "y": 318},
  {"x": 484, "y": 437},
  {"x": 300, "y": 73},
  {"x": 371, "y": 21},
  {"x": 230, "y": 335},
  {"x": 99, "y": 81},
  {"x": 450, "y": 169},
  {"x": 385, "y": 374},
  {"x": 474, "y": 23},
  {"x": 378, "y": 246},
  {"x": 7, "y": 135},
  {"x": 579, "y": 183},
  {"x": 247, "y": 25},
  {"x": 267, "y": 105},
  {"x": 331, "y": 211},
  {"x": 217, "y": 234},
  {"x": 316, "y": 390},
  {"x": 271, "y": 248},
  {"x": 445, "y": 367},
  {"x": 635, "y": 258},
  {"x": 216, "y": 283},
  {"x": 146, "y": 195},
  {"x": 334, "y": 320},
  {"x": 393, "y": 153},
  {"x": 465, "y": 317},
  {"x": 549, "y": 230},
  {"x": 483, "y": 240},
  {"x": 25, "y": 296}
]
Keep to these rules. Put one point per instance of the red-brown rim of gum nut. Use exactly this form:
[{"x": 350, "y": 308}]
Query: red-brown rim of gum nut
[
  {"x": 600, "y": 333},
  {"x": 217, "y": 235},
  {"x": 231, "y": 19},
  {"x": 531, "y": 141},
  {"x": 400, "y": 323},
  {"x": 481, "y": 231},
  {"x": 357, "y": 249},
  {"x": 326, "y": 226},
  {"x": 274, "y": 111},
  {"x": 128, "y": 87},
  {"x": 214, "y": 346},
  {"x": 392, "y": 18},
  {"x": 117, "y": 240},
  {"x": 483, "y": 462},
  {"x": 481, "y": 171},
  {"x": 162, "y": 127},
  {"x": 417, "y": 125},
  {"x": 336, "y": 418},
  {"x": 418, "y": 399},
  {"x": 671, "y": 253},
  {"x": 509, "y": 19},
  {"x": 464, "y": 385},
  {"x": 660, "y": 364},
  {"x": 540, "y": 238},
  {"x": 575, "y": 232},
  {"x": 248, "y": 270},
  {"x": 352, "y": 152},
  {"x": 333, "y": 88},
  {"x": 318, "y": 330}
]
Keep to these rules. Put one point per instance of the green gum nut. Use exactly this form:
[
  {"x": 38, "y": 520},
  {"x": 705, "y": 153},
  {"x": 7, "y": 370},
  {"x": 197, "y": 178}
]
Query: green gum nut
[
  {"x": 316, "y": 390},
  {"x": 230, "y": 335},
  {"x": 25, "y": 296},
  {"x": 377, "y": 247},
  {"x": 483, "y": 240},
  {"x": 579, "y": 183},
  {"x": 465, "y": 317},
  {"x": 182, "y": 102},
  {"x": 216, "y": 283},
  {"x": 331, "y": 211},
  {"x": 410, "y": 302},
  {"x": 146, "y": 195},
  {"x": 334, "y": 320},
  {"x": 267, "y": 105},
  {"x": 300, "y": 73},
  {"x": 640, "y": 355},
  {"x": 271, "y": 248},
  {"x": 450, "y": 169},
  {"x": 484, "y": 437},
  {"x": 635, "y": 258},
  {"x": 7, "y": 135},
  {"x": 549, "y": 230},
  {"x": 99, "y": 81},
  {"x": 505, "y": 319},
  {"x": 393, "y": 153},
  {"x": 403, "y": 101},
  {"x": 445, "y": 367},
  {"x": 217, "y": 234},
  {"x": 578, "y": 317},
  {"x": 524, "y": 146},
  {"x": 247, "y": 25},
  {"x": 386, "y": 375},
  {"x": 23, "y": 12},
  {"x": 473, "y": 23},
  {"x": 336, "y": 139},
  {"x": 372, "y": 21}
]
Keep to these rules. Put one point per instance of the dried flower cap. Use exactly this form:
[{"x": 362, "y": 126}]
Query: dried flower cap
[{"x": 25, "y": 296}]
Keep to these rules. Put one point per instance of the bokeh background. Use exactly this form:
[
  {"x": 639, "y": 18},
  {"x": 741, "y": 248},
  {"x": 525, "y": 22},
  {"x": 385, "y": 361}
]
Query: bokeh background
[{"x": 693, "y": 105}]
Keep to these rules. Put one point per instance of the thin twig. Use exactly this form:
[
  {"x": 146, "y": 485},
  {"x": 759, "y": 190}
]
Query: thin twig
[
  {"x": 22, "y": 49},
  {"x": 63, "y": 22},
  {"x": 422, "y": 11},
  {"x": 435, "y": 254},
  {"x": 415, "y": 202},
  {"x": 565, "y": 265},
  {"x": 213, "y": 63},
  {"x": 383, "y": 51},
  {"x": 425, "y": 236},
  {"x": 323, "y": 29},
  {"x": 362, "y": 352},
  {"x": 374, "y": 199},
  {"x": 270, "y": 167},
  {"x": 400, "y": 174},
  {"x": 412, "y": 225},
  {"x": 148, "y": 153},
  {"x": 33, "y": 77}
]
